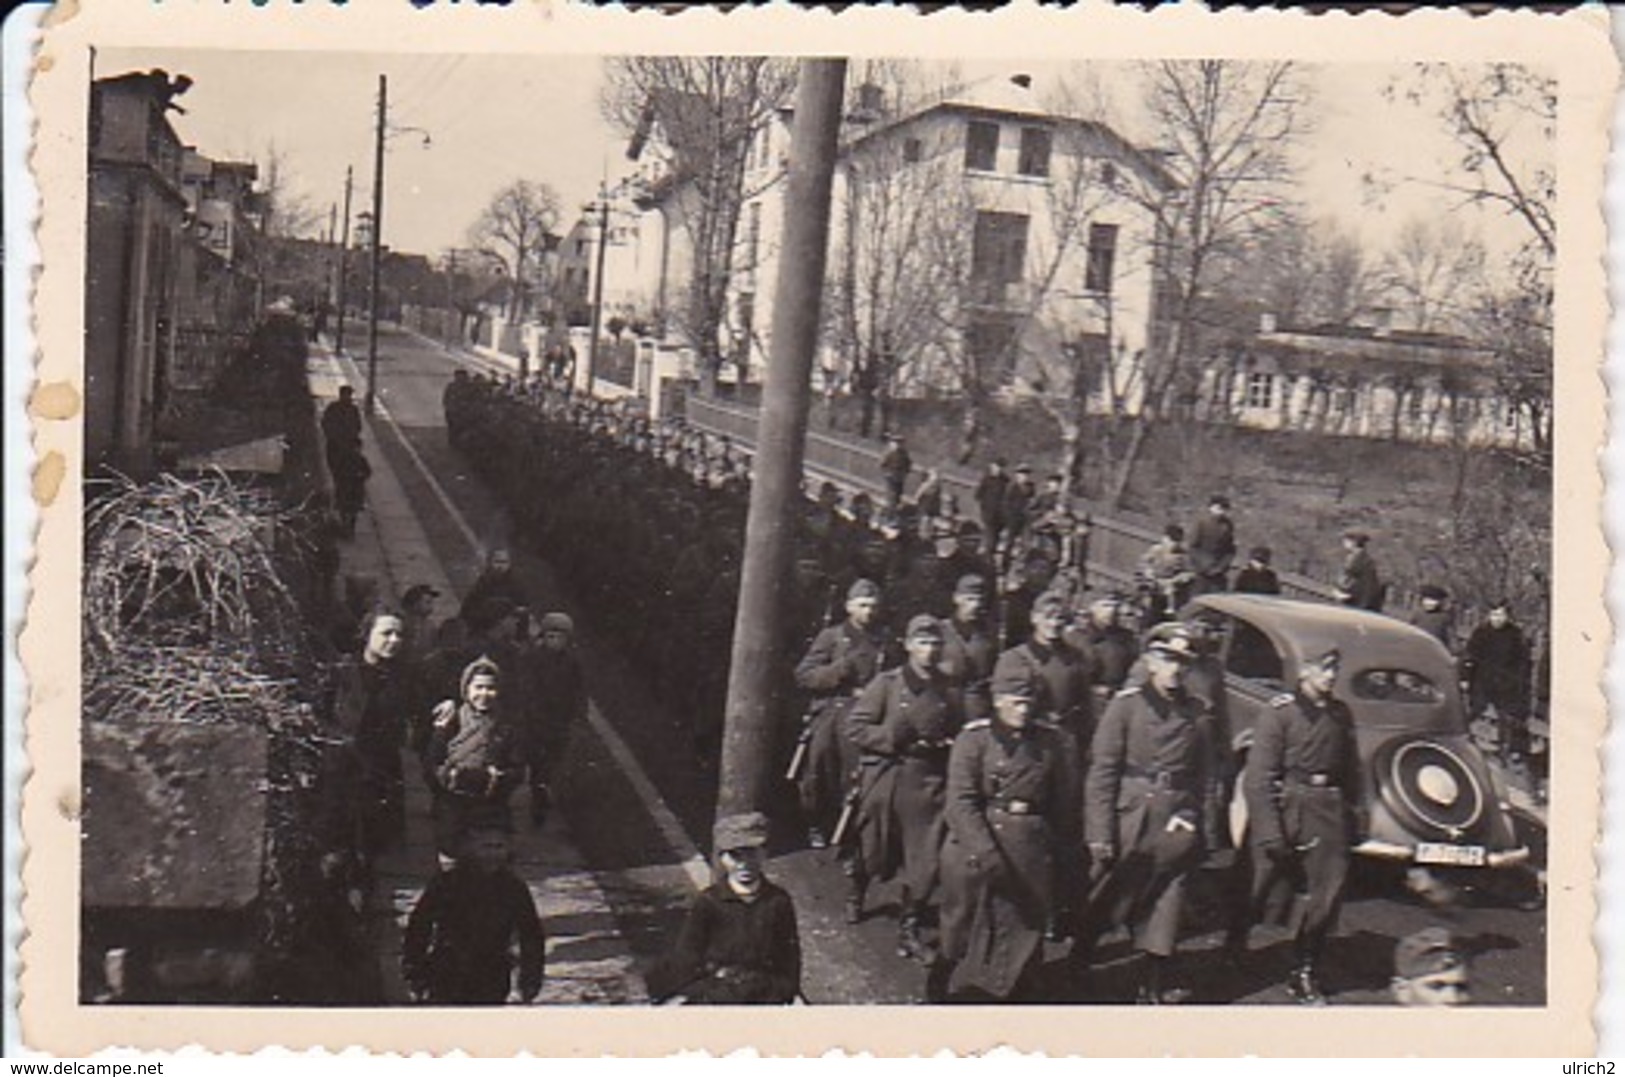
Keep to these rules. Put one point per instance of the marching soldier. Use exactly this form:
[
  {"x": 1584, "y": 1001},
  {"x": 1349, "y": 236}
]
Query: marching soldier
[
  {"x": 903, "y": 725},
  {"x": 1151, "y": 777},
  {"x": 1061, "y": 672},
  {"x": 1300, "y": 783},
  {"x": 841, "y": 662},
  {"x": 968, "y": 647},
  {"x": 1010, "y": 817}
]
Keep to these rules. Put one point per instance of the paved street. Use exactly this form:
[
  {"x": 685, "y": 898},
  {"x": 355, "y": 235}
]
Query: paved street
[{"x": 636, "y": 804}]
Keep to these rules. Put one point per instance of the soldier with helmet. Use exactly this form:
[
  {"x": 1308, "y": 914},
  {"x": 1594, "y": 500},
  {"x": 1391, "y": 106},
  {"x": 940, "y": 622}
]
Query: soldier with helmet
[
  {"x": 1301, "y": 788},
  {"x": 1152, "y": 777},
  {"x": 1012, "y": 794}
]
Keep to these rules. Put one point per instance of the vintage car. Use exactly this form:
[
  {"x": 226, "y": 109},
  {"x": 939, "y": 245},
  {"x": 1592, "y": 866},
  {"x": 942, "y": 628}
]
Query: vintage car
[{"x": 1429, "y": 797}]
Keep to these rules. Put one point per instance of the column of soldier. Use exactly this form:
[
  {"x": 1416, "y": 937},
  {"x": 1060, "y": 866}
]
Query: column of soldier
[{"x": 1030, "y": 768}]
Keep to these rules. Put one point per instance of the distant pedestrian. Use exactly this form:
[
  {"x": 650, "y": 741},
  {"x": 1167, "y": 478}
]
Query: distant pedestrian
[
  {"x": 1256, "y": 576},
  {"x": 1434, "y": 616},
  {"x": 558, "y": 705},
  {"x": 1164, "y": 575},
  {"x": 1496, "y": 666},
  {"x": 341, "y": 424},
  {"x": 739, "y": 943},
  {"x": 1213, "y": 548},
  {"x": 1359, "y": 585},
  {"x": 895, "y": 466},
  {"x": 1018, "y": 502},
  {"x": 474, "y": 761},
  {"x": 990, "y": 491},
  {"x": 417, "y": 610},
  {"x": 463, "y": 931},
  {"x": 496, "y": 580},
  {"x": 350, "y": 471}
]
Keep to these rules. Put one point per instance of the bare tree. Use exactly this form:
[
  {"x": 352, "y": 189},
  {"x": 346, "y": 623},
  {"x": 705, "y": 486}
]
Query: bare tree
[
  {"x": 514, "y": 230},
  {"x": 286, "y": 212},
  {"x": 1224, "y": 130},
  {"x": 1432, "y": 264},
  {"x": 709, "y": 111}
]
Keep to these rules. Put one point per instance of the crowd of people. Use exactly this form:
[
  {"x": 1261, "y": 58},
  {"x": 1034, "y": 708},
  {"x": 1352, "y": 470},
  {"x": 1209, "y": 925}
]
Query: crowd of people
[{"x": 1029, "y": 760}]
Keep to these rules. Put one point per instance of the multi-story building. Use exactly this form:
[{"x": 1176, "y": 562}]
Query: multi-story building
[{"x": 981, "y": 235}]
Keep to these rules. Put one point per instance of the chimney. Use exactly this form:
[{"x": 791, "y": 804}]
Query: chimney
[
  {"x": 1024, "y": 80},
  {"x": 1267, "y": 322},
  {"x": 867, "y": 110}
]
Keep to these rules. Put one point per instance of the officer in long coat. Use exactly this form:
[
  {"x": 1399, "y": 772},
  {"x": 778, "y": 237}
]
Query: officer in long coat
[
  {"x": 1151, "y": 778},
  {"x": 1012, "y": 792},
  {"x": 841, "y": 662},
  {"x": 1301, "y": 788},
  {"x": 969, "y": 648},
  {"x": 903, "y": 726}
]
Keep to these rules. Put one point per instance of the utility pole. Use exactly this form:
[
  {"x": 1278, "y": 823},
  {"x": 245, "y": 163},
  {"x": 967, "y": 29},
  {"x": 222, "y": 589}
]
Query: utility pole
[
  {"x": 748, "y": 721},
  {"x": 598, "y": 286},
  {"x": 344, "y": 261},
  {"x": 377, "y": 233}
]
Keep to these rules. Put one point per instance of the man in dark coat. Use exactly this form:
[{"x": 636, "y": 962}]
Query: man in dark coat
[
  {"x": 1256, "y": 576},
  {"x": 894, "y": 468},
  {"x": 903, "y": 725},
  {"x": 841, "y": 662},
  {"x": 1359, "y": 586},
  {"x": 990, "y": 491},
  {"x": 1018, "y": 515},
  {"x": 341, "y": 425},
  {"x": 969, "y": 648},
  {"x": 1151, "y": 779},
  {"x": 1301, "y": 788},
  {"x": 1434, "y": 616},
  {"x": 459, "y": 935},
  {"x": 1061, "y": 673},
  {"x": 1109, "y": 645},
  {"x": 739, "y": 944},
  {"x": 557, "y": 707},
  {"x": 1011, "y": 817},
  {"x": 1496, "y": 667},
  {"x": 1213, "y": 548}
]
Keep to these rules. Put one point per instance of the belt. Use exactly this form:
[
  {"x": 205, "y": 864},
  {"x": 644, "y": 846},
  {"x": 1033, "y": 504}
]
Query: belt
[
  {"x": 1014, "y": 807},
  {"x": 1317, "y": 780},
  {"x": 927, "y": 751},
  {"x": 1162, "y": 779}
]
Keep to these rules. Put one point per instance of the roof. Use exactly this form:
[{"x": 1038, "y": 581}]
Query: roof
[
  {"x": 1367, "y": 344},
  {"x": 1300, "y": 628},
  {"x": 1004, "y": 97}
]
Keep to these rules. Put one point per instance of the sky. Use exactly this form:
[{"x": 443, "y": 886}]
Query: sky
[{"x": 495, "y": 119}]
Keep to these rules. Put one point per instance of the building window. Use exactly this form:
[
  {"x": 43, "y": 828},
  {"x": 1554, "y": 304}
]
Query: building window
[
  {"x": 981, "y": 146},
  {"x": 1034, "y": 158},
  {"x": 911, "y": 151},
  {"x": 999, "y": 248},
  {"x": 1108, "y": 175},
  {"x": 1261, "y": 391},
  {"x": 1097, "y": 274},
  {"x": 991, "y": 342}
]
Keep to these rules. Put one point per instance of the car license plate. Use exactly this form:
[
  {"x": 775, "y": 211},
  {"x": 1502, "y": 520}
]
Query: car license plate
[{"x": 1433, "y": 852}]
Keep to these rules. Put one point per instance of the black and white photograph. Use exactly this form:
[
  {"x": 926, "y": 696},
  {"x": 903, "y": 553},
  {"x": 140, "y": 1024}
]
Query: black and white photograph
[{"x": 616, "y": 527}]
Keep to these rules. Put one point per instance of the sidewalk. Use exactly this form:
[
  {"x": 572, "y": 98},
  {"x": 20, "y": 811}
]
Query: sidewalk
[{"x": 588, "y": 961}]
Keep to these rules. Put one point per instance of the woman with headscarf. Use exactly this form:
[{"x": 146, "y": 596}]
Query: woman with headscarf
[{"x": 474, "y": 760}]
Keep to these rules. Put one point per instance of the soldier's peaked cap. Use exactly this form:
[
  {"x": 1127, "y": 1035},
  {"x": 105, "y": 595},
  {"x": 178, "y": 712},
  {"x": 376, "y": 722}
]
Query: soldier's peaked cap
[
  {"x": 1329, "y": 658},
  {"x": 1171, "y": 639},
  {"x": 862, "y": 589},
  {"x": 970, "y": 584}
]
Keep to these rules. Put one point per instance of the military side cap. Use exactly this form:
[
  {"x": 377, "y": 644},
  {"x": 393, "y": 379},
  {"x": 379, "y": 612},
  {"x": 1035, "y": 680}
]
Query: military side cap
[
  {"x": 924, "y": 626},
  {"x": 1171, "y": 639},
  {"x": 746, "y": 830},
  {"x": 1012, "y": 676},
  {"x": 970, "y": 528},
  {"x": 1426, "y": 952},
  {"x": 1050, "y": 604},
  {"x": 1330, "y": 658},
  {"x": 862, "y": 589},
  {"x": 970, "y": 584},
  {"x": 557, "y": 622}
]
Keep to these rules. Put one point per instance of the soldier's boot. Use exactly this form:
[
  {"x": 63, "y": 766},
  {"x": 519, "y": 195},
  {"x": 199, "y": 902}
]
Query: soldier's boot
[
  {"x": 909, "y": 942},
  {"x": 1304, "y": 986},
  {"x": 1154, "y": 990},
  {"x": 856, "y": 887}
]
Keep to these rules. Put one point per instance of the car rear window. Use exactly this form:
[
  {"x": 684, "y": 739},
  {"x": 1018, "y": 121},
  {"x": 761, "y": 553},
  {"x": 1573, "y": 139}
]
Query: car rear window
[{"x": 1395, "y": 686}]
